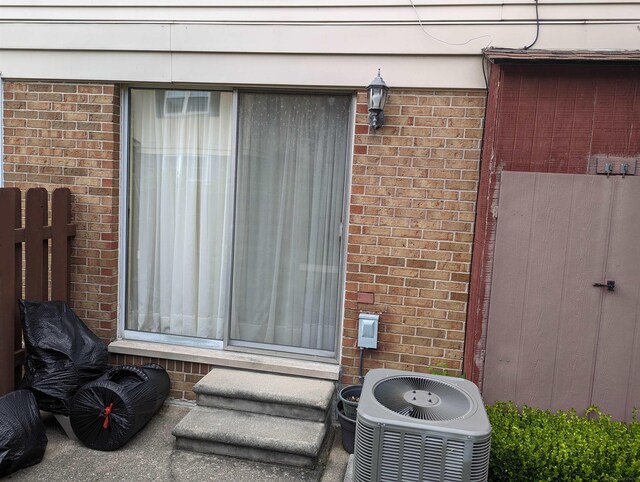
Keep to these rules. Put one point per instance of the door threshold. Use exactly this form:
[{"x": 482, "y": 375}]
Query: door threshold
[{"x": 229, "y": 359}]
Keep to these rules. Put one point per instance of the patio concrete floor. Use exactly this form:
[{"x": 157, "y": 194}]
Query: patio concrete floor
[{"x": 151, "y": 455}]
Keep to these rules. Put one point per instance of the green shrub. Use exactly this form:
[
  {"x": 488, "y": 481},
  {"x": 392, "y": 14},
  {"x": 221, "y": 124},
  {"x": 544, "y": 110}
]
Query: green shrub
[{"x": 530, "y": 444}]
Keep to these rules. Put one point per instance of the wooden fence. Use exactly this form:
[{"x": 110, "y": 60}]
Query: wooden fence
[{"x": 35, "y": 236}]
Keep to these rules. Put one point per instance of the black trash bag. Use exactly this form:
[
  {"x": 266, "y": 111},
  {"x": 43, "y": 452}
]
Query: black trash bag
[
  {"x": 106, "y": 413},
  {"x": 22, "y": 434},
  {"x": 62, "y": 353}
]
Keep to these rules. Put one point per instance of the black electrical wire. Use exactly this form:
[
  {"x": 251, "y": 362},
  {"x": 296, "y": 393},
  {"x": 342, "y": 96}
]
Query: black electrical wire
[
  {"x": 537, "y": 29},
  {"x": 484, "y": 72},
  {"x": 360, "y": 375}
]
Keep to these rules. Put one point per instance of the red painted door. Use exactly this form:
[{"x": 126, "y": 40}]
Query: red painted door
[{"x": 554, "y": 340}]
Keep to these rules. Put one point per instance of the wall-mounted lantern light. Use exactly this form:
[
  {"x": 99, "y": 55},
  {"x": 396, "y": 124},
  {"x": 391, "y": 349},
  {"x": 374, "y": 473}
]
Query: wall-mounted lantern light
[{"x": 376, "y": 97}]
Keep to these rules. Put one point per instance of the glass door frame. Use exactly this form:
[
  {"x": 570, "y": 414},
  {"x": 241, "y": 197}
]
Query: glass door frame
[
  {"x": 291, "y": 351},
  {"x": 327, "y": 356}
]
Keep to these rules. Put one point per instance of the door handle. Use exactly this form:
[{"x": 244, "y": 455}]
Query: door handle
[{"x": 609, "y": 284}]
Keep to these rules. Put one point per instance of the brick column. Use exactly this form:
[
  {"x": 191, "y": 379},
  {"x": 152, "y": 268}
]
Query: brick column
[
  {"x": 412, "y": 209},
  {"x": 68, "y": 135}
]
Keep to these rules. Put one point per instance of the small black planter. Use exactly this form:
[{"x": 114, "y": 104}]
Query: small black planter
[
  {"x": 348, "y": 426},
  {"x": 350, "y": 407}
]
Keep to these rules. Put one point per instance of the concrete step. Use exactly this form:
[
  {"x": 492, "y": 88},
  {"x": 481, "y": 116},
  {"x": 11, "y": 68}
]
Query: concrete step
[
  {"x": 266, "y": 393},
  {"x": 252, "y": 436}
]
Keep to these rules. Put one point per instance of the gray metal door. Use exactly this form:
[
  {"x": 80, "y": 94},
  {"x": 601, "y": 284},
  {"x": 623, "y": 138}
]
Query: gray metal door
[{"x": 554, "y": 340}]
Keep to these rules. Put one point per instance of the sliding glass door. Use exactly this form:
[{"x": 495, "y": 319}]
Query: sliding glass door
[
  {"x": 290, "y": 184},
  {"x": 179, "y": 183},
  {"x": 243, "y": 247}
]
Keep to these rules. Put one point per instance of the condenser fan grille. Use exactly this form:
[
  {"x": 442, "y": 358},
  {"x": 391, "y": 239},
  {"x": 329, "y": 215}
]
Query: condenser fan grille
[{"x": 422, "y": 398}]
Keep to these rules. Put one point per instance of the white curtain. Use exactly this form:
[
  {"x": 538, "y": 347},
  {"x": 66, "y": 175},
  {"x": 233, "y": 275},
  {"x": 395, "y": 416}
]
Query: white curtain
[
  {"x": 292, "y": 152},
  {"x": 179, "y": 216}
]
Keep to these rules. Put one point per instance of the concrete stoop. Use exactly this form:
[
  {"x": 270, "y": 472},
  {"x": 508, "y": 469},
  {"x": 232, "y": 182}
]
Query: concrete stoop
[{"x": 258, "y": 416}]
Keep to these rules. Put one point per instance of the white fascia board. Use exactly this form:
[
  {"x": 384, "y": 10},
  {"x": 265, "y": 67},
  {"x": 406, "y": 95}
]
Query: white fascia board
[
  {"x": 329, "y": 71},
  {"x": 399, "y": 40},
  {"x": 334, "y": 39},
  {"x": 85, "y": 36},
  {"x": 326, "y": 40},
  {"x": 313, "y": 71},
  {"x": 87, "y": 65}
]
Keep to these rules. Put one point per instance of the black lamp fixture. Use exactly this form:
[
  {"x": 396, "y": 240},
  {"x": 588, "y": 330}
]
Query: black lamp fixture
[{"x": 376, "y": 98}]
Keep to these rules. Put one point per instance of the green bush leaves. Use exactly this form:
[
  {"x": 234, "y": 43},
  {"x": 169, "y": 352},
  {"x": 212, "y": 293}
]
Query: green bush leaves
[{"x": 529, "y": 444}]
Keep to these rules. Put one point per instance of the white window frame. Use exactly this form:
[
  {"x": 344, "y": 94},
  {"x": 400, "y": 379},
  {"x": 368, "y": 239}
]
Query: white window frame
[{"x": 123, "y": 210}]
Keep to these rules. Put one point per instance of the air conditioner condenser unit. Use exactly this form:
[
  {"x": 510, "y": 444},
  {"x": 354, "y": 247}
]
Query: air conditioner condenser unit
[{"x": 420, "y": 428}]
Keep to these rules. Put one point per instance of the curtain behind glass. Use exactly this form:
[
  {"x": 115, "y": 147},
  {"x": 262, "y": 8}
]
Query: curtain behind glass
[
  {"x": 178, "y": 220},
  {"x": 292, "y": 152}
]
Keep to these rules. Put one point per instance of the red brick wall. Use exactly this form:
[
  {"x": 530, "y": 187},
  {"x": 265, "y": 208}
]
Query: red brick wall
[
  {"x": 411, "y": 218},
  {"x": 183, "y": 375},
  {"x": 414, "y": 184},
  {"x": 68, "y": 135}
]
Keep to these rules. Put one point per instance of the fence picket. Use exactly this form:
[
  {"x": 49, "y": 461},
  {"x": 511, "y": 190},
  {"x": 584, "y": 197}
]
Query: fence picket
[
  {"x": 36, "y": 246},
  {"x": 61, "y": 229},
  {"x": 10, "y": 285}
]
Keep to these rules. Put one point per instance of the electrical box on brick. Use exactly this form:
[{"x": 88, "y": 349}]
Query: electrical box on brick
[{"x": 368, "y": 330}]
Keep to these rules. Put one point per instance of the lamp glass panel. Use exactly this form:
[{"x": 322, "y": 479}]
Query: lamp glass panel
[{"x": 375, "y": 98}]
